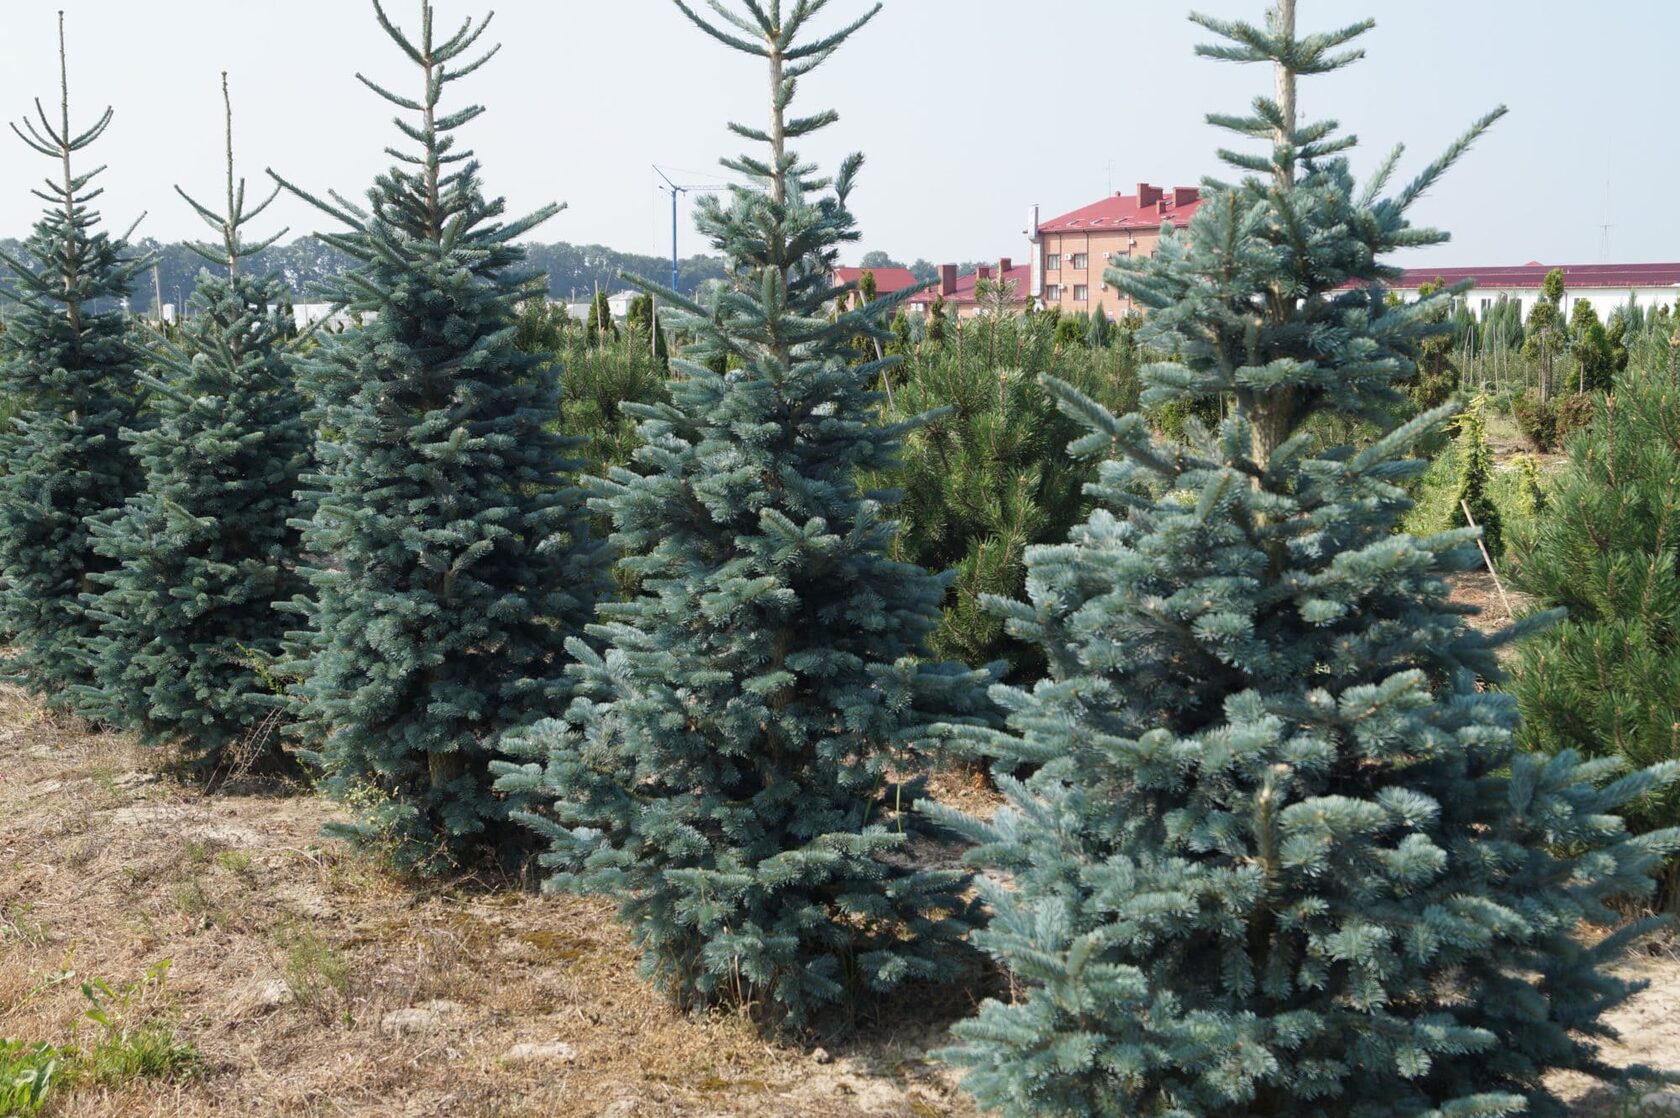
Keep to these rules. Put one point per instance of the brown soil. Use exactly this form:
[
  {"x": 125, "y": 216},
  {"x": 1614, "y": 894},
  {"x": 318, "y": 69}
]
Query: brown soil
[
  {"x": 1497, "y": 602},
  {"x": 314, "y": 984}
]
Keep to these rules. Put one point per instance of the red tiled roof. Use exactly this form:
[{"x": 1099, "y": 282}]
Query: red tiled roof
[
  {"x": 1533, "y": 275},
  {"x": 1150, "y": 208},
  {"x": 887, "y": 280},
  {"x": 1019, "y": 274}
]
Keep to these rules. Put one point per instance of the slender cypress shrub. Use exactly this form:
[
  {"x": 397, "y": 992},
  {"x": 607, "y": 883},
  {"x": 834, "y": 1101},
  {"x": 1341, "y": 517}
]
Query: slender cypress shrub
[{"x": 1475, "y": 479}]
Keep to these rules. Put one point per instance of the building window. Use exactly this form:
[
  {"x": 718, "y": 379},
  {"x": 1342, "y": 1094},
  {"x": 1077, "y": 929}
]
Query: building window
[
  {"x": 1052, "y": 291},
  {"x": 1053, "y": 263},
  {"x": 1080, "y": 261},
  {"x": 1081, "y": 293}
]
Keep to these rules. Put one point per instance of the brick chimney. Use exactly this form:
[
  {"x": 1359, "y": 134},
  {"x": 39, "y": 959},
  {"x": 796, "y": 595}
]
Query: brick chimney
[
  {"x": 983, "y": 272},
  {"x": 1184, "y": 195},
  {"x": 947, "y": 279},
  {"x": 1147, "y": 195},
  {"x": 1004, "y": 265}
]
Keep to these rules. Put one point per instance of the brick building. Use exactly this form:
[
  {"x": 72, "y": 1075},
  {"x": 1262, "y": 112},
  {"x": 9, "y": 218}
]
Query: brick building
[
  {"x": 959, "y": 292},
  {"x": 888, "y": 281},
  {"x": 1071, "y": 252}
]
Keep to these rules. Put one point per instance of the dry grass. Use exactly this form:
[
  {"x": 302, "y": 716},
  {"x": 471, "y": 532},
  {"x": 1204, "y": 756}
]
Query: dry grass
[
  {"x": 292, "y": 964},
  {"x": 310, "y": 983}
]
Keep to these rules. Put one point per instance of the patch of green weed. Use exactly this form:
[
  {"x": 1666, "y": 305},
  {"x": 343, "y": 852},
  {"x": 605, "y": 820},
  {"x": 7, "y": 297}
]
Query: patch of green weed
[
  {"x": 126, "y": 1045},
  {"x": 27, "y": 1073},
  {"x": 314, "y": 970}
]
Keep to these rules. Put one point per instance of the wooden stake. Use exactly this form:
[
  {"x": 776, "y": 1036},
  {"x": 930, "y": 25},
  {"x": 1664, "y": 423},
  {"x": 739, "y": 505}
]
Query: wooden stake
[{"x": 1488, "y": 559}]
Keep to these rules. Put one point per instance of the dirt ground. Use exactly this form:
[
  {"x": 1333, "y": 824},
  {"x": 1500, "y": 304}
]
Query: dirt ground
[{"x": 312, "y": 984}]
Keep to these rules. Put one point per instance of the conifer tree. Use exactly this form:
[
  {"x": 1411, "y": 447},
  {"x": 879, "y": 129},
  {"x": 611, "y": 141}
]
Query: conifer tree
[
  {"x": 936, "y": 326},
  {"x": 455, "y": 557},
  {"x": 1436, "y": 381},
  {"x": 1533, "y": 493},
  {"x": 1280, "y": 856},
  {"x": 210, "y": 544},
  {"x": 1474, "y": 478},
  {"x": 733, "y": 779},
  {"x": 904, "y": 341},
  {"x": 543, "y": 328},
  {"x": 1096, "y": 335},
  {"x": 1071, "y": 329},
  {"x": 1545, "y": 330},
  {"x": 868, "y": 289},
  {"x": 67, "y": 372},
  {"x": 601, "y": 326},
  {"x": 1607, "y": 679},
  {"x": 987, "y": 477},
  {"x": 644, "y": 326},
  {"x": 1591, "y": 343}
]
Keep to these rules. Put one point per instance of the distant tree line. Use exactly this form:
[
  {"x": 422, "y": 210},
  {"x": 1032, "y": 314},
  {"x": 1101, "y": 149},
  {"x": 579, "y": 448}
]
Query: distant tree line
[{"x": 573, "y": 270}]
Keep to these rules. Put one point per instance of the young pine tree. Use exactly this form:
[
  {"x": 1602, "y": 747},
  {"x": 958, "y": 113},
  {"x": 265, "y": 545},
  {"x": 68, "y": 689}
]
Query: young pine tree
[
  {"x": 1279, "y": 855},
  {"x": 733, "y": 779},
  {"x": 987, "y": 477},
  {"x": 1607, "y": 679},
  {"x": 68, "y": 373},
  {"x": 455, "y": 557},
  {"x": 210, "y": 544}
]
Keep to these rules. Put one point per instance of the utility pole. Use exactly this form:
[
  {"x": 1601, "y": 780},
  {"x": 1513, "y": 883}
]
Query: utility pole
[
  {"x": 157, "y": 293},
  {"x": 674, "y": 189}
]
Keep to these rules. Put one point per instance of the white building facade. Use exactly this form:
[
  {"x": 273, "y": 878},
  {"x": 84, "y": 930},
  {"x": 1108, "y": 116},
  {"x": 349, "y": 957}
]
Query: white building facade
[{"x": 1605, "y": 286}]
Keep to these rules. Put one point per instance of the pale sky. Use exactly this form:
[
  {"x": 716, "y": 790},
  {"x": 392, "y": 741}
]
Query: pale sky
[{"x": 969, "y": 112}]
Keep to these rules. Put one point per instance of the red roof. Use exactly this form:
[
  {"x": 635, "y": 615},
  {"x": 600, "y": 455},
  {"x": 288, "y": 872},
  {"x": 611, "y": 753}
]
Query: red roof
[
  {"x": 1150, "y": 208},
  {"x": 1018, "y": 274},
  {"x": 1533, "y": 275},
  {"x": 888, "y": 281}
]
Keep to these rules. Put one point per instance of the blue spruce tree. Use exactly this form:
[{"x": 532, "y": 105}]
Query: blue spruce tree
[
  {"x": 209, "y": 546},
  {"x": 1279, "y": 855},
  {"x": 738, "y": 776},
  {"x": 455, "y": 553},
  {"x": 67, "y": 370}
]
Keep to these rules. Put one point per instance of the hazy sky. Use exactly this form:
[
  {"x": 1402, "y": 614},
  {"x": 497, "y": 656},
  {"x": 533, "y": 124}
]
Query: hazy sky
[{"x": 969, "y": 111}]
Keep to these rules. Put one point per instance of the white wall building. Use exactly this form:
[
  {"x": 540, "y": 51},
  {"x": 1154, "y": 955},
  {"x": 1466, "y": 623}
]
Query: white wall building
[
  {"x": 308, "y": 314},
  {"x": 618, "y": 304},
  {"x": 1604, "y": 286}
]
